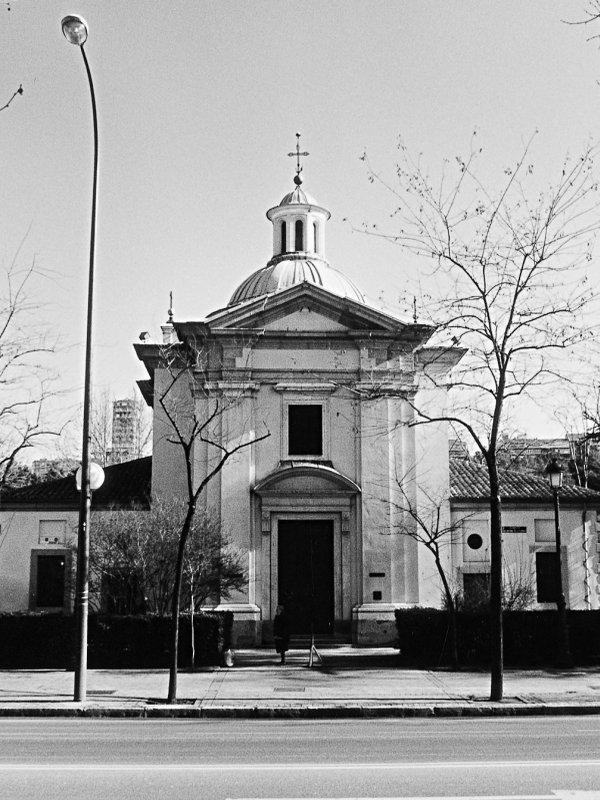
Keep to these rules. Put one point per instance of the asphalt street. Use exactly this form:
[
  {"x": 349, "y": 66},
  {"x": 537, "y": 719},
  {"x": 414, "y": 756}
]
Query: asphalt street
[{"x": 533, "y": 758}]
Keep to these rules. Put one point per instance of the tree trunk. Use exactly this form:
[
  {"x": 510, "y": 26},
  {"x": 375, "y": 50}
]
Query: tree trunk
[
  {"x": 192, "y": 632},
  {"x": 172, "y": 695},
  {"x": 451, "y": 611},
  {"x": 453, "y": 635},
  {"x": 496, "y": 634}
]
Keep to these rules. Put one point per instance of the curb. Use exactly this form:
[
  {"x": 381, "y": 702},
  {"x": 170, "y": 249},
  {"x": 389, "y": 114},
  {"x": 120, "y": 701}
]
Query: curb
[{"x": 322, "y": 711}]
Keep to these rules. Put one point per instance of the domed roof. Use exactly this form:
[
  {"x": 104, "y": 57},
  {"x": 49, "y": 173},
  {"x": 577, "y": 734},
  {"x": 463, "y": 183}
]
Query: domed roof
[
  {"x": 298, "y": 249},
  {"x": 298, "y": 197},
  {"x": 288, "y": 270}
]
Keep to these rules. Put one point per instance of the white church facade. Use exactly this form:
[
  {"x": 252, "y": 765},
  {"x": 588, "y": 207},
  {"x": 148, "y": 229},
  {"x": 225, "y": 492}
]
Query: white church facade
[{"x": 316, "y": 505}]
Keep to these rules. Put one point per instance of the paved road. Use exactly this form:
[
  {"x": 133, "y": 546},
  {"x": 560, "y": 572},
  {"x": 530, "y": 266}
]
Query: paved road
[{"x": 539, "y": 758}]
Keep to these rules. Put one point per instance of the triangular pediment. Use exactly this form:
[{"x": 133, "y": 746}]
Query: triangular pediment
[
  {"x": 308, "y": 318},
  {"x": 307, "y": 307}
]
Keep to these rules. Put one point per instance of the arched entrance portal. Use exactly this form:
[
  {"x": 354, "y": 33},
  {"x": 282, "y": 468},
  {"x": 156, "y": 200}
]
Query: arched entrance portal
[{"x": 309, "y": 526}]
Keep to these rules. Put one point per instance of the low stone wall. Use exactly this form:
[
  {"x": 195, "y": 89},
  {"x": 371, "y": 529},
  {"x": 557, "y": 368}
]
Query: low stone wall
[{"x": 374, "y": 625}]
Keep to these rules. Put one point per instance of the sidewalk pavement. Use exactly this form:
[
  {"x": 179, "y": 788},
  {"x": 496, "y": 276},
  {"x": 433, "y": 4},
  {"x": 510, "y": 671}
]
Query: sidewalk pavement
[{"x": 348, "y": 682}]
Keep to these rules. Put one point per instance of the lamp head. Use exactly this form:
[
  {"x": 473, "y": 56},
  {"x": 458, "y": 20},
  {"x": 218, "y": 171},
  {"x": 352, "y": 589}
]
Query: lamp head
[
  {"x": 554, "y": 472},
  {"x": 96, "y": 477},
  {"x": 75, "y": 29}
]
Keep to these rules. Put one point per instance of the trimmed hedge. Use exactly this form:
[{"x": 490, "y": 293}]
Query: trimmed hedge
[
  {"x": 530, "y": 638},
  {"x": 47, "y": 641}
]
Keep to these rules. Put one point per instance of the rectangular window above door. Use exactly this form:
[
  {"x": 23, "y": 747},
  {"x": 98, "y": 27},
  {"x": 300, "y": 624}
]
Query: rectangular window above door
[{"x": 305, "y": 430}]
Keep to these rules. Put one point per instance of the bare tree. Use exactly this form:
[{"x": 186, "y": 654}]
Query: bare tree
[
  {"x": 518, "y": 581},
  {"x": 429, "y": 524},
  {"x": 195, "y": 410},
  {"x": 580, "y": 419},
  {"x": 589, "y": 405},
  {"x": 508, "y": 283},
  {"x": 25, "y": 381}
]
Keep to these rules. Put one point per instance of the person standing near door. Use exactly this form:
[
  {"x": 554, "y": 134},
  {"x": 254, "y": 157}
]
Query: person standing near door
[{"x": 281, "y": 632}]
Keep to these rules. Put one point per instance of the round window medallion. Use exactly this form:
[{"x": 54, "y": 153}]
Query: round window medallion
[{"x": 474, "y": 541}]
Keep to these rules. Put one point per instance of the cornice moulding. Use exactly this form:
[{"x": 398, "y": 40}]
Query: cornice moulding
[{"x": 290, "y": 386}]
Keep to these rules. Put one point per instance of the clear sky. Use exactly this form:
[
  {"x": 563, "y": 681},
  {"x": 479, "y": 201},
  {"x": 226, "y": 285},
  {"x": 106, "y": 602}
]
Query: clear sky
[{"x": 199, "y": 103}]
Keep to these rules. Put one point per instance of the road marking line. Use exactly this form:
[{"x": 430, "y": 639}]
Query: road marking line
[
  {"x": 423, "y": 797},
  {"x": 557, "y": 794},
  {"x": 315, "y": 766}
]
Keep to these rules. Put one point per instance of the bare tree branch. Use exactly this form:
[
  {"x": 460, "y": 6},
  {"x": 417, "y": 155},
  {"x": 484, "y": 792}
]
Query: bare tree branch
[
  {"x": 15, "y": 93},
  {"x": 25, "y": 382},
  {"x": 591, "y": 14}
]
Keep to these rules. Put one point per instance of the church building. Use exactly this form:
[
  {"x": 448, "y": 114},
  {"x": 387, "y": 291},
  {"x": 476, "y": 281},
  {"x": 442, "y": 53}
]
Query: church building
[
  {"x": 320, "y": 387},
  {"x": 309, "y": 392}
]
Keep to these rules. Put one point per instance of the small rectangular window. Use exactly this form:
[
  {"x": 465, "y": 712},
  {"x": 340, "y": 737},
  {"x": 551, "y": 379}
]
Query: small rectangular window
[
  {"x": 305, "y": 430},
  {"x": 546, "y": 576}
]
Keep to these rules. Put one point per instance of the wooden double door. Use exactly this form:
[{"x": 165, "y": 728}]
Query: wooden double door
[{"x": 305, "y": 574}]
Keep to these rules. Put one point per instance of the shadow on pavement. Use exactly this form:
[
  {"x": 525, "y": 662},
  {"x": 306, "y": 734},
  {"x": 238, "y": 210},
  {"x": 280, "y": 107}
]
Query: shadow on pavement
[{"x": 341, "y": 658}]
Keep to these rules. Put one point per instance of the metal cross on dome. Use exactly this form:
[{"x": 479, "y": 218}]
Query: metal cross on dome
[{"x": 298, "y": 155}]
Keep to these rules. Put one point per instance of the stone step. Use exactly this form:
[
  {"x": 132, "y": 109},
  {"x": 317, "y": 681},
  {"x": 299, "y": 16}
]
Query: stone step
[{"x": 304, "y": 642}]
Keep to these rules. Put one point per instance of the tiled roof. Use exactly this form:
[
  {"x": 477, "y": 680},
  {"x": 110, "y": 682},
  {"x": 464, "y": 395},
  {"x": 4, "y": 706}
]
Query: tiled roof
[
  {"x": 129, "y": 483},
  {"x": 469, "y": 481},
  {"x": 125, "y": 484}
]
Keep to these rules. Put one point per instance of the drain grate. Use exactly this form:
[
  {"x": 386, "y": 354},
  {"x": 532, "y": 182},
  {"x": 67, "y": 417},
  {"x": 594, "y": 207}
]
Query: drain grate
[{"x": 287, "y": 689}]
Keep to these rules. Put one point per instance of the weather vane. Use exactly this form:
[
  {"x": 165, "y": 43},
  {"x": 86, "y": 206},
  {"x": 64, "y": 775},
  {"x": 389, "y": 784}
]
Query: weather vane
[{"x": 298, "y": 154}]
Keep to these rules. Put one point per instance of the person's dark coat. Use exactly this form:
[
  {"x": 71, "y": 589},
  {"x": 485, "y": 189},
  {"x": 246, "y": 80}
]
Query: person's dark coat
[{"x": 281, "y": 632}]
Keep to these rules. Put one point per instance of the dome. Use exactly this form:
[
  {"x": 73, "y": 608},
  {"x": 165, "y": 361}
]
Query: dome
[
  {"x": 299, "y": 224},
  {"x": 298, "y": 197},
  {"x": 287, "y": 271}
]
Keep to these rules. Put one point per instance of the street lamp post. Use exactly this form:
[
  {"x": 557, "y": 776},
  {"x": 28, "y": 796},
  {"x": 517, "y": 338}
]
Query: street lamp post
[
  {"x": 75, "y": 30},
  {"x": 554, "y": 473}
]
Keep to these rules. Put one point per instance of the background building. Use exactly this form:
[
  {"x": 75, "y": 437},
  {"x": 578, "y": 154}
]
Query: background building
[{"x": 123, "y": 439}]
